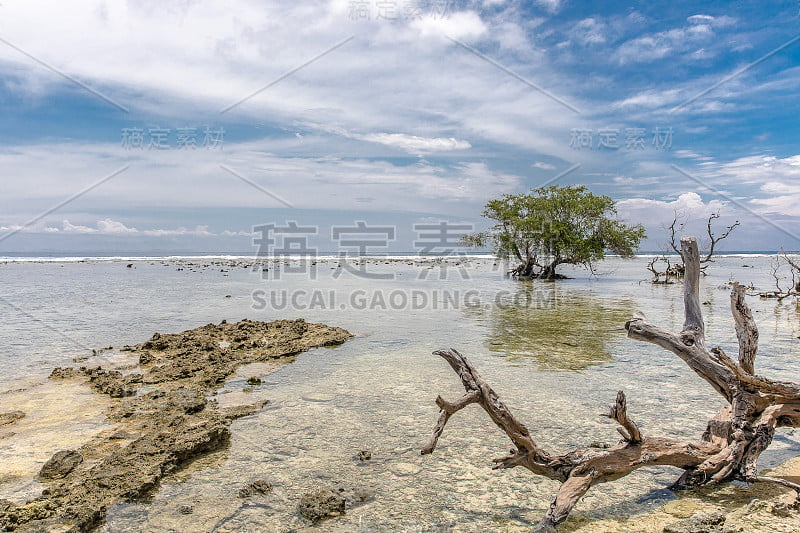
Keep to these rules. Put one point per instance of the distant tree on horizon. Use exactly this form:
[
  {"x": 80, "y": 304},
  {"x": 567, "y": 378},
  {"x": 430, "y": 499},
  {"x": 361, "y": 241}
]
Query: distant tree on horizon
[{"x": 555, "y": 225}]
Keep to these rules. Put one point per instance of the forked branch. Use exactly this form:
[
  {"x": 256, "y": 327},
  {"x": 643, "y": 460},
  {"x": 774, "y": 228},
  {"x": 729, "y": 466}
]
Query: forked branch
[
  {"x": 579, "y": 469},
  {"x": 619, "y": 412}
]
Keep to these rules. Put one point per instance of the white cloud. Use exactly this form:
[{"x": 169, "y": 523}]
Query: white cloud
[
  {"x": 384, "y": 91},
  {"x": 643, "y": 49},
  {"x": 72, "y": 228},
  {"x": 761, "y": 190},
  {"x": 637, "y": 182},
  {"x": 777, "y": 179},
  {"x": 421, "y": 95},
  {"x": 688, "y": 202},
  {"x": 651, "y": 98},
  {"x": 47, "y": 174},
  {"x": 458, "y": 25},
  {"x": 198, "y": 231},
  {"x": 12, "y": 227},
  {"x": 648, "y": 48},
  {"x": 686, "y": 154},
  {"x": 700, "y": 19},
  {"x": 413, "y": 143},
  {"x": 688, "y": 207},
  {"x": 719, "y": 22},
  {"x": 511, "y": 35},
  {"x": 589, "y": 31},
  {"x": 550, "y": 5},
  {"x": 114, "y": 227}
]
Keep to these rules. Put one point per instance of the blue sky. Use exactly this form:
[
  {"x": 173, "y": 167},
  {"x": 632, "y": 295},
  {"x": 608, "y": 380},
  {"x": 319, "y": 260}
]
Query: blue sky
[{"x": 390, "y": 112}]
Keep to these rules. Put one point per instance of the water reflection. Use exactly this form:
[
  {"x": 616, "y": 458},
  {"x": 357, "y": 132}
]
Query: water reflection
[{"x": 560, "y": 328}]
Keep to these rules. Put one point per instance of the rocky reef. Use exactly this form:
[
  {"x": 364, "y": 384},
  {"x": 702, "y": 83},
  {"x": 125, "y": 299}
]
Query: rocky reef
[{"x": 163, "y": 418}]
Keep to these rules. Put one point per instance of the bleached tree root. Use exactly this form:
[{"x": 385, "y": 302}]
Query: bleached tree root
[{"x": 728, "y": 450}]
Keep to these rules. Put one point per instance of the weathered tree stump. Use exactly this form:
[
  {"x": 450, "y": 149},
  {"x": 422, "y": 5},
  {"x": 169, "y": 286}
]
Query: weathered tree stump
[{"x": 729, "y": 448}]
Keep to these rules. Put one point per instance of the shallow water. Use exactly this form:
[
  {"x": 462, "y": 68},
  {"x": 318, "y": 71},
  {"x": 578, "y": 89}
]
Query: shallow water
[{"x": 557, "y": 353}]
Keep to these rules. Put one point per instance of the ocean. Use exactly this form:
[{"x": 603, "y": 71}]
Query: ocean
[{"x": 557, "y": 354}]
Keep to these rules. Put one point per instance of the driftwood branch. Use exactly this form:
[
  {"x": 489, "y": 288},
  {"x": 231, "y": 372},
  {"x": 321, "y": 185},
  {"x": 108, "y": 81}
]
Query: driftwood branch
[
  {"x": 728, "y": 450},
  {"x": 746, "y": 330},
  {"x": 578, "y": 470},
  {"x": 619, "y": 412}
]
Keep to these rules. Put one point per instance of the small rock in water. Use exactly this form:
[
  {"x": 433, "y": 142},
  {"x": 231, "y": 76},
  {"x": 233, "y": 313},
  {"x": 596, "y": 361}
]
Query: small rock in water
[
  {"x": 254, "y": 380},
  {"x": 10, "y": 417},
  {"x": 61, "y": 464},
  {"x": 321, "y": 504},
  {"x": 781, "y": 509},
  {"x": 255, "y": 488},
  {"x": 63, "y": 373},
  {"x": 756, "y": 506},
  {"x": 699, "y": 523},
  {"x": 364, "y": 455}
]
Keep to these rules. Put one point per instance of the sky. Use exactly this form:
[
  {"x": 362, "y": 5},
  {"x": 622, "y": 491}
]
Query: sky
[{"x": 157, "y": 126}]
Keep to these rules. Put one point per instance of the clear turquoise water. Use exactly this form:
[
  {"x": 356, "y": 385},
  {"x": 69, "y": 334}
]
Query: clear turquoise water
[{"x": 557, "y": 364}]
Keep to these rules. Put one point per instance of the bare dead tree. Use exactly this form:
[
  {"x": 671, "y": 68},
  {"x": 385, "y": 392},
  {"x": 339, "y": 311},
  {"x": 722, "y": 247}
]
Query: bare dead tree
[
  {"x": 795, "y": 266},
  {"x": 711, "y": 244},
  {"x": 729, "y": 448},
  {"x": 677, "y": 271},
  {"x": 713, "y": 240},
  {"x": 781, "y": 293},
  {"x": 669, "y": 273}
]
